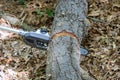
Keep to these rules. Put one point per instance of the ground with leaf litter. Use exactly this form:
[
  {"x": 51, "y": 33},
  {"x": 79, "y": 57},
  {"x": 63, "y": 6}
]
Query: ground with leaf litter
[{"x": 19, "y": 61}]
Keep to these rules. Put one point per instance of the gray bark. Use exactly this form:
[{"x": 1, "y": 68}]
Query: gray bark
[{"x": 63, "y": 56}]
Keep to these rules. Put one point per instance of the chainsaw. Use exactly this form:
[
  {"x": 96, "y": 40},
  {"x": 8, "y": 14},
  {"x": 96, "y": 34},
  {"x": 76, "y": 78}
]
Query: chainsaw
[{"x": 38, "y": 39}]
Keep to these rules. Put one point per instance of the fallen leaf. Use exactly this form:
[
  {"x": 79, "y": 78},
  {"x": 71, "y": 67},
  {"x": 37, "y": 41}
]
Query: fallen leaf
[
  {"x": 94, "y": 13},
  {"x": 4, "y": 35}
]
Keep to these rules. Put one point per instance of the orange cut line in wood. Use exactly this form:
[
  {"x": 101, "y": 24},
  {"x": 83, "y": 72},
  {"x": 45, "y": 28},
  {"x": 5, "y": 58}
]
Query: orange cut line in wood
[{"x": 64, "y": 33}]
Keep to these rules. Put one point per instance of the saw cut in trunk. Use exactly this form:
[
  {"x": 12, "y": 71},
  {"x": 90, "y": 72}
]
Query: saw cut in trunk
[{"x": 69, "y": 28}]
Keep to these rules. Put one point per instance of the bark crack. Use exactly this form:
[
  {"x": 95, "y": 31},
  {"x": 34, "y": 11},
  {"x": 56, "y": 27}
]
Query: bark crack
[{"x": 71, "y": 61}]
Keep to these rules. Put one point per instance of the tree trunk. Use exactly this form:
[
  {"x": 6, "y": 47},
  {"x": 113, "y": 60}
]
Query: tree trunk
[{"x": 69, "y": 28}]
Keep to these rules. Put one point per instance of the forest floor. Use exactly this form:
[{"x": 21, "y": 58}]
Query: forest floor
[{"x": 19, "y": 61}]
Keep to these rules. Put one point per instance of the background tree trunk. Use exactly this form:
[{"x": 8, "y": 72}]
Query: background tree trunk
[{"x": 69, "y": 28}]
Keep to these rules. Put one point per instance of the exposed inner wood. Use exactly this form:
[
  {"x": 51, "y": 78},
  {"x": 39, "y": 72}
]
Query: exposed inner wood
[{"x": 65, "y": 33}]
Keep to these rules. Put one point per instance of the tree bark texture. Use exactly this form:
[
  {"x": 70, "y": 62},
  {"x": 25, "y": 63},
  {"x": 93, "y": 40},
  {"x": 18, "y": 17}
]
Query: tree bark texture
[{"x": 69, "y": 28}]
